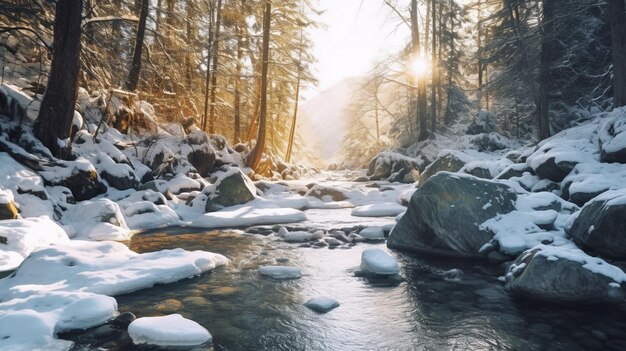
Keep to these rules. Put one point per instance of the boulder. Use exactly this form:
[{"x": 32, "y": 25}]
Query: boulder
[
  {"x": 445, "y": 213},
  {"x": 393, "y": 166},
  {"x": 326, "y": 193},
  {"x": 121, "y": 181},
  {"x": 485, "y": 122},
  {"x": 447, "y": 163},
  {"x": 490, "y": 142},
  {"x": 553, "y": 170},
  {"x": 553, "y": 274},
  {"x": 601, "y": 225},
  {"x": 234, "y": 188},
  {"x": 612, "y": 135},
  {"x": 83, "y": 182}
]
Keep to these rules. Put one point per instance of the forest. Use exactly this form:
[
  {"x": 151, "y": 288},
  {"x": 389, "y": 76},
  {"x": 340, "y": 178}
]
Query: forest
[{"x": 312, "y": 175}]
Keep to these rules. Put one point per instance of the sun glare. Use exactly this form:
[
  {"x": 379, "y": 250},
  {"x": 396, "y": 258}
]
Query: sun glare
[{"x": 419, "y": 66}]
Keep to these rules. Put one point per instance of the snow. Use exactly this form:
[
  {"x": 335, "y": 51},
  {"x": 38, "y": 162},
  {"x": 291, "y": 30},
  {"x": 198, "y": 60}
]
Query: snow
[
  {"x": 100, "y": 219},
  {"x": 280, "y": 272},
  {"x": 385, "y": 209},
  {"x": 20, "y": 185},
  {"x": 617, "y": 124},
  {"x": 246, "y": 216},
  {"x": 68, "y": 287},
  {"x": 322, "y": 304},
  {"x": 378, "y": 262},
  {"x": 373, "y": 233},
  {"x": 170, "y": 330},
  {"x": 24, "y": 236}
]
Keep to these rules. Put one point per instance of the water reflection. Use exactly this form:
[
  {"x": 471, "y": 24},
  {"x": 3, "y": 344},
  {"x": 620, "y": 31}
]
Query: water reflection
[{"x": 244, "y": 311}]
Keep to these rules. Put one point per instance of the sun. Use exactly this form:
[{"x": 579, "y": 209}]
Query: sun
[{"x": 419, "y": 66}]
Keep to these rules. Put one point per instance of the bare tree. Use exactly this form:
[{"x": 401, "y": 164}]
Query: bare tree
[{"x": 135, "y": 69}]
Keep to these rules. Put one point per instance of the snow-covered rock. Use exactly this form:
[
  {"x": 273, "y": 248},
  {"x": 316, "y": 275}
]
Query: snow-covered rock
[
  {"x": 280, "y": 272},
  {"x": 68, "y": 287},
  {"x": 326, "y": 193},
  {"x": 322, "y": 304},
  {"x": 565, "y": 274},
  {"x": 170, "y": 330},
  {"x": 378, "y": 262},
  {"x": 247, "y": 215},
  {"x": 446, "y": 162},
  {"x": 20, "y": 237},
  {"x": 612, "y": 135},
  {"x": 385, "y": 209},
  {"x": 101, "y": 219},
  {"x": 601, "y": 225},
  {"x": 298, "y": 237},
  {"x": 394, "y": 167}
]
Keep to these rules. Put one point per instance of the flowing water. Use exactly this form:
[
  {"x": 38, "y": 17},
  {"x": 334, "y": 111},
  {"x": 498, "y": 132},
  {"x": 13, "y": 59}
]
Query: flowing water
[{"x": 428, "y": 310}]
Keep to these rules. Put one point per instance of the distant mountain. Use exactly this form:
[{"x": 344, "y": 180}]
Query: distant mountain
[{"x": 325, "y": 116}]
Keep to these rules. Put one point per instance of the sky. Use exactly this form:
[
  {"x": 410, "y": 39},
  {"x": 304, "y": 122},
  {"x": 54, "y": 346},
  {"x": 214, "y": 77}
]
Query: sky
[{"x": 355, "y": 34}]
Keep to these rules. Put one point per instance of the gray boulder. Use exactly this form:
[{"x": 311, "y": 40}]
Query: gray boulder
[
  {"x": 447, "y": 163},
  {"x": 234, "y": 189},
  {"x": 445, "y": 213},
  {"x": 393, "y": 166},
  {"x": 601, "y": 225},
  {"x": 537, "y": 276}
]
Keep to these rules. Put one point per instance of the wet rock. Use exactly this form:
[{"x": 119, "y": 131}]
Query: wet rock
[
  {"x": 535, "y": 276},
  {"x": 356, "y": 238},
  {"x": 341, "y": 236},
  {"x": 601, "y": 225},
  {"x": 84, "y": 184},
  {"x": 555, "y": 171},
  {"x": 322, "y": 304},
  {"x": 234, "y": 189},
  {"x": 280, "y": 272},
  {"x": 298, "y": 237},
  {"x": 123, "y": 320},
  {"x": 445, "y": 213},
  {"x": 447, "y": 163}
]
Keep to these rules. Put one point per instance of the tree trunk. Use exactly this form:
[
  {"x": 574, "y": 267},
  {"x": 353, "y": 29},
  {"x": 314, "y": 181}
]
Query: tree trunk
[
  {"x": 237, "y": 102},
  {"x": 617, "y": 18},
  {"x": 191, "y": 42},
  {"x": 216, "y": 49},
  {"x": 57, "y": 108},
  {"x": 135, "y": 69},
  {"x": 422, "y": 117},
  {"x": 292, "y": 131},
  {"x": 207, "y": 78},
  {"x": 434, "y": 64},
  {"x": 545, "y": 78},
  {"x": 479, "y": 44},
  {"x": 255, "y": 156}
]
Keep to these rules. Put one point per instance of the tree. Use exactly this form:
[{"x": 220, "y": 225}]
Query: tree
[
  {"x": 133, "y": 75},
  {"x": 617, "y": 19},
  {"x": 255, "y": 155},
  {"x": 57, "y": 108},
  {"x": 545, "y": 79}
]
